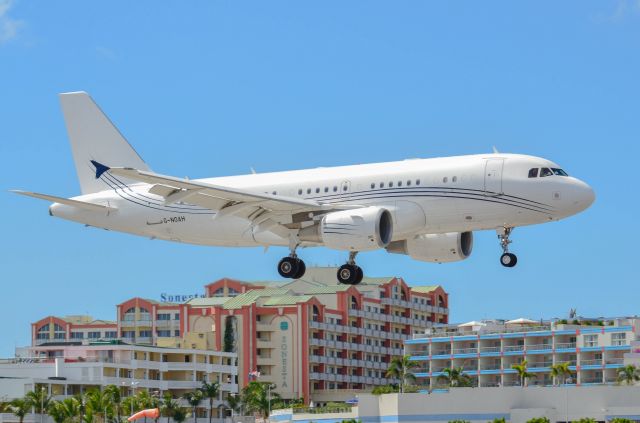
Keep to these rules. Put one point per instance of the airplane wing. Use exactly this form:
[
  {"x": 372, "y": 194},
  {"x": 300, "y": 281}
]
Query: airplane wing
[{"x": 225, "y": 199}]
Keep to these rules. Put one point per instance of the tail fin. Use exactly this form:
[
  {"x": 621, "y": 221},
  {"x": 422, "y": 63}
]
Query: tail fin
[{"x": 96, "y": 143}]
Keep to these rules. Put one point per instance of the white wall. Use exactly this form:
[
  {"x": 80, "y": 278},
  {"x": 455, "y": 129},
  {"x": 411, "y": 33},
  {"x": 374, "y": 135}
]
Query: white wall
[{"x": 515, "y": 404}]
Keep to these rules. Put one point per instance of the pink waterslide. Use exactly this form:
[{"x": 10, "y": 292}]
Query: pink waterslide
[{"x": 152, "y": 413}]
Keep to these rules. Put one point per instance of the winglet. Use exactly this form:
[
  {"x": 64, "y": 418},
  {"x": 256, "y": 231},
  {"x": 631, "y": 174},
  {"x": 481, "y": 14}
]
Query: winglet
[{"x": 100, "y": 168}]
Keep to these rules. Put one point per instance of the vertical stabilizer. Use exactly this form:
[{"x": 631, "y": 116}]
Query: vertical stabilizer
[{"x": 96, "y": 143}]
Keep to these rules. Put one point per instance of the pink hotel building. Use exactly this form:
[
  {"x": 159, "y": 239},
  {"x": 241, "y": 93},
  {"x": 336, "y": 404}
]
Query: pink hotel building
[{"x": 311, "y": 337}]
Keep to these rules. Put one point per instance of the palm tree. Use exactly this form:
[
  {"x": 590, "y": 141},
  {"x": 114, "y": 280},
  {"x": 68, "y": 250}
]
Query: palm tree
[
  {"x": 57, "y": 411},
  {"x": 144, "y": 400},
  {"x": 560, "y": 370},
  {"x": 234, "y": 402},
  {"x": 179, "y": 415},
  {"x": 169, "y": 406},
  {"x": 400, "y": 367},
  {"x": 130, "y": 405},
  {"x": 72, "y": 408},
  {"x": 20, "y": 407},
  {"x": 194, "y": 399},
  {"x": 113, "y": 392},
  {"x": 38, "y": 399},
  {"x": 523, "y": 374},
  {"x": 628, "y": 375},
  {"x": 99, "y": 403},
  {"x": 455, "y": 377},
  {"x": 258, "y": 398},
  {"x": 210, "y": 391}
]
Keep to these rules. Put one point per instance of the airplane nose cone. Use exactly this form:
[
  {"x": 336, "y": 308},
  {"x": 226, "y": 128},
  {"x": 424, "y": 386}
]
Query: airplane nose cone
[{"x": 583, "y": 196}]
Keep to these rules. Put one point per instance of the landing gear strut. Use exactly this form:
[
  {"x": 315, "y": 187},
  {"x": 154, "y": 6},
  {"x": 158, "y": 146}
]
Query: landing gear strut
[
  {"x": 507, "y": 259},
  {"x": 350, "y": 273},
  {"x": 291, "y": 266}
]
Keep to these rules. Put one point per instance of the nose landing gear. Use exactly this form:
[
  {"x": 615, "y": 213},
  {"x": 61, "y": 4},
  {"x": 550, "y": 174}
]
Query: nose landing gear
[
  {"x": 507, "y": 259},
  {"x": 350, "y": 273}
]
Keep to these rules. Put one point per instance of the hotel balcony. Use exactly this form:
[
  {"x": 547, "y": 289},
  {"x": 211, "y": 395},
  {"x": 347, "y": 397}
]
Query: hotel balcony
[{"x": 136, "y": 323}]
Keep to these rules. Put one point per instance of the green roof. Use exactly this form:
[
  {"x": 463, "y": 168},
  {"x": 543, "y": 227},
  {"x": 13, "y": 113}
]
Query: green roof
[
  {"x": 376, "y": 281},
  {"x": 251, "y": 296},
  {"x": 287, "y": 300},
  {"x": 208, "y": 301},
  {"x": 425, "y": 289},
  {"x": 328, "y": 289}
]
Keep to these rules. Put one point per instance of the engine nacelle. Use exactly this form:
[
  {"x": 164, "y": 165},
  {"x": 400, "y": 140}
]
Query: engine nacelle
[
  {"x": 436, "y": 248},
  {"x": 368, "y": 228}
]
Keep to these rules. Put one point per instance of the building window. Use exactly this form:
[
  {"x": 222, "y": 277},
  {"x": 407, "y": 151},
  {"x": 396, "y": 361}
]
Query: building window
[
  {"x": 94, "y": 335},
  {"x": 59, "y": 332},
  {"x": 77, "y": 335},
  {"x": 129, "y": 334},
  {"x": 145, "y": 333},
  {"x": 111, "y": 334},
  {"x": 176, "y": 332},
  {"x": 164, "y": 333},
  {"x": 618, "y": 339},
  {"x": 163, "y": 316},
  {"x": 176, "y": 316},
  {"x": 591, "y": 340}
]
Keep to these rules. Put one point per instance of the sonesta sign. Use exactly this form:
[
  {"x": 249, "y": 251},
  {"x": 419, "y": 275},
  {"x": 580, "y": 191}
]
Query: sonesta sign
[{"x": 178, "y": 298}]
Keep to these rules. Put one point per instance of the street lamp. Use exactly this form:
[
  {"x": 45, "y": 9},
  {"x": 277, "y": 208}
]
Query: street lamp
[
  {"x": 42, "y": 404},
  {"x": 269, "y": 387}
]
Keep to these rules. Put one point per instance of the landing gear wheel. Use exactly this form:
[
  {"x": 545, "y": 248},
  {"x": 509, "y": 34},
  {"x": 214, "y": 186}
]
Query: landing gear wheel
[
  {"x": 301, "y": 269},
  {"x": 289, "y": 267},
  {"x": 359, "y": 275},
  {"x": 508, "y": 259},
  {"x": 350, "y": 274}
]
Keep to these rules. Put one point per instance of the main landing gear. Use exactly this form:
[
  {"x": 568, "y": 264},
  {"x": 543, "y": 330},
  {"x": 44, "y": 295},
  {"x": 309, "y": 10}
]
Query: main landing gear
[
  {"x": 507, "y": 259},
  {"x": 350, "y": 273},
  {"x": 292, "y": 267}
]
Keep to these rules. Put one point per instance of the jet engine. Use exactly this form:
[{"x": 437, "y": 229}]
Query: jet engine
[
  {"x": 436, "y": 248},
  {"x": 368, "y": 228}
]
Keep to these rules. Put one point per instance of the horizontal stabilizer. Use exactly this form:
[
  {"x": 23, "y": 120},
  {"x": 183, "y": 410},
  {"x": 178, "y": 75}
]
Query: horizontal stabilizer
[{"x": 67, "y": 201}]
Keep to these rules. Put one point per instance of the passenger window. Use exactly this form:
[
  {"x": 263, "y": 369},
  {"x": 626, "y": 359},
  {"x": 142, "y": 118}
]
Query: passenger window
[
  {"x": 399, "y": 183},
  {"x": 326, "y": 189},
  {"x": 275, "y": 193},
  {"x": 545, "y": 171},
  {"x": 299, "y": 192},
  {"x": 373, "y": 186},
  {"x": 344, "y": 187},
  {"x": 308, "y": 190},
  {"x": 533, "y": 173},
  {"x": 381, "y": 184},
  {"x": 335, "y": 189},
  {"x": 390, "y": 184},
  {"x": 454, "y": 179},
  {"x": 417, "y": 181},
  {"x": 445, "y": 179},
  {"x": 317, "y": 190},
  {"x": 409, "y": 183}
]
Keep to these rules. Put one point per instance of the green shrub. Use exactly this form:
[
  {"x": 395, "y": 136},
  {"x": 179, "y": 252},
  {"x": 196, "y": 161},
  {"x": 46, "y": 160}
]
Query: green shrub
[
  {"x": 586, "y": 420},
  {"x": 620, "y": 420},
  {"x": 459, "y": 421},
  {"x": 538, "y": 420},
  {"x": 575, "y": 322},
  {"x": 563, "y": 321},
  {"x": 500, "y": 420}
]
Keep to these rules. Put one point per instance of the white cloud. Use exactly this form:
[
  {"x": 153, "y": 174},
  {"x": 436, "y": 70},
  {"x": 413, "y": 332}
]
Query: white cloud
[{"x": 8, "y": 26}]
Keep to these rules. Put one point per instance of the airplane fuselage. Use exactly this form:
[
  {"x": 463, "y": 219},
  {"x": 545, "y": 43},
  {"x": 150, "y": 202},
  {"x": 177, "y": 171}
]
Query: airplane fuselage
[{"x": 424, "y": 196}]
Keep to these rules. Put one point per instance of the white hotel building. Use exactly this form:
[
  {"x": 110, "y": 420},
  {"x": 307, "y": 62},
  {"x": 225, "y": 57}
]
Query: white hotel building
[
  {"x": 65, "y": 370},
  {"x": 487, "y": 350}
]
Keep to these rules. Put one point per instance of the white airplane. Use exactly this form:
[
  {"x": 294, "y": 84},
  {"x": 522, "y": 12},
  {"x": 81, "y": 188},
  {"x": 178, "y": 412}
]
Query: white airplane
[{"x": 424, "y": 208}]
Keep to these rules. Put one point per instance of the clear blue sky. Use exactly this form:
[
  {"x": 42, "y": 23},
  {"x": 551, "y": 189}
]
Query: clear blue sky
[{"x": 214, "y": 88}]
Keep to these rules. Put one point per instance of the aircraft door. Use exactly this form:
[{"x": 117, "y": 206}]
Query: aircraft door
[{"x": 493, "y": 176}]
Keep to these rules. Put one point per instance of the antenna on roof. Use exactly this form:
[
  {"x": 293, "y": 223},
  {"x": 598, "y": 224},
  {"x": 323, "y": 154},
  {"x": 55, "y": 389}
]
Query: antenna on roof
[{"x": 495, "y": 150}]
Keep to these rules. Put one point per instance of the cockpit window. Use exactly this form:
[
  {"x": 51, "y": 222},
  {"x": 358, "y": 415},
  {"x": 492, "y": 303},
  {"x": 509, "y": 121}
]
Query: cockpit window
[
  {"x": 559, "y": 172},
  {"x": 545, "y": 171},
  {"x": 533, "y": 173}
]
